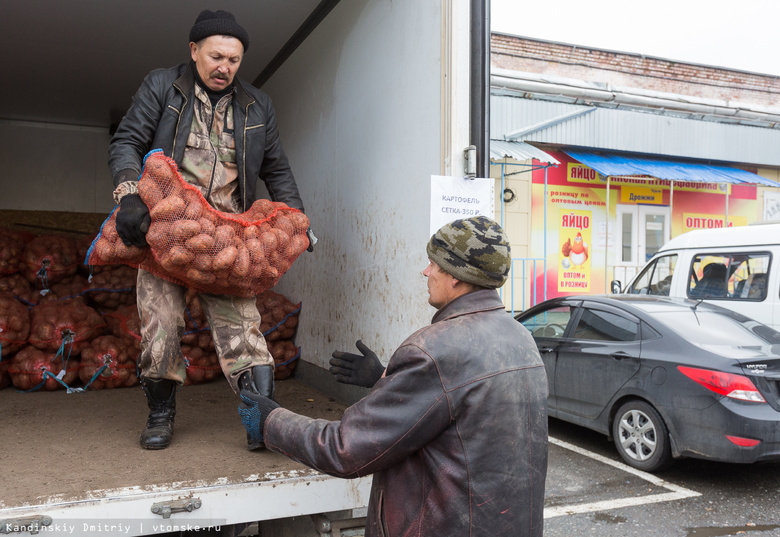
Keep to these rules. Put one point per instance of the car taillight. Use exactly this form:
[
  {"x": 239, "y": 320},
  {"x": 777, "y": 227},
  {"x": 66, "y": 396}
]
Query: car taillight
[
  {"x": 733, "y": 386},
  {"x": 743, "y": 442}
]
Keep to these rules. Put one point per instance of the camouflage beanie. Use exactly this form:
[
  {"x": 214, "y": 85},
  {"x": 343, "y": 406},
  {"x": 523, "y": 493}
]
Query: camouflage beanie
[{"x": 473, "y": 250}]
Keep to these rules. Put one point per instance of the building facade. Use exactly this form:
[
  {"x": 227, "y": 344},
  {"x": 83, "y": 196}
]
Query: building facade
[{"x": 600, "y": 157}]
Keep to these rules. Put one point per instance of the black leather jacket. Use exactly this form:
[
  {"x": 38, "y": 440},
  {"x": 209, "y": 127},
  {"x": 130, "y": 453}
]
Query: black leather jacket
[
  {"x": 455, "y": 433},
  {"x": 160, "y": 117}
]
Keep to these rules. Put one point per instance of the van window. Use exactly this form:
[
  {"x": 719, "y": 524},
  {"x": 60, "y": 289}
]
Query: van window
[
  {"x": 729, "y": 276},
  {"x": 656, "y": 278}
]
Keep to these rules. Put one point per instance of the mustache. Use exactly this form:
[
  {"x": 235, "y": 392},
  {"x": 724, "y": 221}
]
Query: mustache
[{"x": 217, "y": 74}]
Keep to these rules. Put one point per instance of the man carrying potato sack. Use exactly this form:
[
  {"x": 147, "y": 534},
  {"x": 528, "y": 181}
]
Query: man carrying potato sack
[
  {"x": 454, "y": 430},
  {"x": 222, "y": 133}
]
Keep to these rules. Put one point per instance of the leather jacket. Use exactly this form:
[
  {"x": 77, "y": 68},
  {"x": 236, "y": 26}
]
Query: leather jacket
[
  {"x": 455, "y": 433},
  {"x": 160, "y": 117}
]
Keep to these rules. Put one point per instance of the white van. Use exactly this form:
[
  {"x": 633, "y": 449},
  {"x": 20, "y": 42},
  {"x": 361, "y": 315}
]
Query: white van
[{"x": 732, "y": 267}]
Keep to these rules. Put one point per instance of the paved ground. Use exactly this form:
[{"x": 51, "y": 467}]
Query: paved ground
[{"x": 591, "y": 492}]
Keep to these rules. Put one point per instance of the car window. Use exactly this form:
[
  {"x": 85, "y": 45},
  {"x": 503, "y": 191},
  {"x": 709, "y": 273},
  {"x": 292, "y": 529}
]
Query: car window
[
  {"x": 656, "y": 278},
  {"x": 602, "y": 325},
  {"x": 549, "y": 323},
  {"x": 729, "y": 276}
]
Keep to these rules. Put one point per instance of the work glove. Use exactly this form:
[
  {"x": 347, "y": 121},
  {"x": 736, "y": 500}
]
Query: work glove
[
  {"x": 363, "y": 369},
  {"x": 254, "y": 410},
  {"x": 312, "y": 240},
  {"x": 132, "y": 221}
]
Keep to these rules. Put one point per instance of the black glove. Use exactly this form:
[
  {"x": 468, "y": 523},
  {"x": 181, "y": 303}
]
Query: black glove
[
  {"x": 312, "y": 240},
  {"x": 132, "y": 221},
  {"x": 355, "y": 369},
  {"x": 254, "y": 410}
]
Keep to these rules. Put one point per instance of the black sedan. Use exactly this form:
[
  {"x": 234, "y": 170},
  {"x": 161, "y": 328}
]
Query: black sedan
[{"x": 664, "y": 378}]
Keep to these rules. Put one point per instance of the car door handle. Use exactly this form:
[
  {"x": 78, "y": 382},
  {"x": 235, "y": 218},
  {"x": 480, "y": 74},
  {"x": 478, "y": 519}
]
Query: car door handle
[
  {"x": 620, "y": 355},
  {"x": 545, "y": 350}
]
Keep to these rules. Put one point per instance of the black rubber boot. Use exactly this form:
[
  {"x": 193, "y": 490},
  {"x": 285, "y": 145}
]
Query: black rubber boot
[
  {"x": 161, "y": 396},
  {"x": 260, "y": 380}
]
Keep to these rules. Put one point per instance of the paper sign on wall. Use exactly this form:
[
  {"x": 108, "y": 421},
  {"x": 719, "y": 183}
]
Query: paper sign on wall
[{"x": 458, "y": 197}]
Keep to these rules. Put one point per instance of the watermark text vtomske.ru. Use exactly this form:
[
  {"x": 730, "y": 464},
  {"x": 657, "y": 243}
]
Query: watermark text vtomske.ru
[{"x": 109, "y": 528}]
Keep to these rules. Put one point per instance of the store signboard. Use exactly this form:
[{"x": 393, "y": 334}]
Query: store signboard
[
  {"x": 640, "y": 195},
  {"x": 692, "y": 221},
  {"x": 574, "y": 270},
  {"x": 579, "y": 173}
]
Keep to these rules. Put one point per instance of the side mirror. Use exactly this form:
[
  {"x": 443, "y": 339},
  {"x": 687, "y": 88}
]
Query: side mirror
[{"x": 615, "y": 287}]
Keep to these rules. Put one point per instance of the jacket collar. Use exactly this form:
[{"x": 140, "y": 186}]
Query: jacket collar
[
  {"x": 476, "y": 301},
  {"x": 186, "y": 83}
]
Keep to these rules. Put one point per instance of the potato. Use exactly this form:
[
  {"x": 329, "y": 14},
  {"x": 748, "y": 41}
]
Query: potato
[
  {"x": 184, "y": 229},
  {"x": 168, "y": 208},
  {"x": 200, "y": 243},
  {"x": 241, "y": 265},
  {"x": 225, "y": 258},
  {"x": 224, "y": 234}
]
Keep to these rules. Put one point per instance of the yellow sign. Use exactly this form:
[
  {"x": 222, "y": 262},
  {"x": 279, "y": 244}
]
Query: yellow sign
[
  {"x": 635, "y": 194},
  {"x": 693, "y": 221},
  {"x": 579, "y": 173},
  {"x": 574, "y": 269}
]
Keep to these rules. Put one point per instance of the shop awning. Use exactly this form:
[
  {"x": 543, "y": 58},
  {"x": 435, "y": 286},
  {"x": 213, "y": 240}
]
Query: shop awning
[
  {"x": 611, "y": 164},
  {"x": 519, "y": 151}
]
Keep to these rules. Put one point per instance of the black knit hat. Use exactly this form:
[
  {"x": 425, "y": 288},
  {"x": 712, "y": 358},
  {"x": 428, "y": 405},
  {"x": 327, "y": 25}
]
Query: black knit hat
[{"x": 218, "y": 22}]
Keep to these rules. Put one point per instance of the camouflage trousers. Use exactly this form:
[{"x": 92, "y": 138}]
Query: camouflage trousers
[{"x": 234, "y": 322}]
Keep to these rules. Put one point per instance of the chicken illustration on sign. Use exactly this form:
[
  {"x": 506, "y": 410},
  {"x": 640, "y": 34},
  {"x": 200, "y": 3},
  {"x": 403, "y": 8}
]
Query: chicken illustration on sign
[{"x": 574, "y": 270}]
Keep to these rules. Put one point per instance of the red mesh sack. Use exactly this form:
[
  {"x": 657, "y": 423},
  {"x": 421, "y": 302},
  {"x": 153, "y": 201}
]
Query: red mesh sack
[
  {"x": 202, "y": 366},
  {"x": 194, "y": 317},
  {"x": 278, "y": 316},
  {"x": 18, "y": 286},
  {"x": 71, "y": 287},
  {"x": 111, "y": 352},
  {"x": 11, "y": 248},
  {"x": 69, "y": 324},
  {"x": 193, "y": 244},
  {"x": 113, "y": 288},
  {"x": 30, "y": 367},
  {"x": 285, "y": 355},
  {"x": 48, "y": 259},
  {"x": 5, "y": 377},
  {"x": 125, "y": 324},
  {"x": 14, "y": 325},
  {"x": 82, "y": 247}
]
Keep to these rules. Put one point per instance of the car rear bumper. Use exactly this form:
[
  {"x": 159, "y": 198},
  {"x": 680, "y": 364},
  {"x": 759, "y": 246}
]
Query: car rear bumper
[{"x": 702, "y": 434}]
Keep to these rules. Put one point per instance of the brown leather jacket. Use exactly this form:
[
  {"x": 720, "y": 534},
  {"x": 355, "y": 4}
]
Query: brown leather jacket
[{"x": 455, "y": 433}]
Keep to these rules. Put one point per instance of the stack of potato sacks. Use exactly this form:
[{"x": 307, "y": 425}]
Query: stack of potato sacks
[{"x": 66, "y": 324}]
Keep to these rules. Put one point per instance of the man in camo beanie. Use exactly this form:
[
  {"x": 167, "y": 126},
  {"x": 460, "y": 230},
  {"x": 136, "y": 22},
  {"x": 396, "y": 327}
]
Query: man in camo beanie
[{"x": 473, "y": 250}]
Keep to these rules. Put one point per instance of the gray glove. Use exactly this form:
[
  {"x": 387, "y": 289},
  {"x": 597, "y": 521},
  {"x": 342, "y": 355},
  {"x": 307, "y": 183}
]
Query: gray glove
[{"x": 363, "y": 369}]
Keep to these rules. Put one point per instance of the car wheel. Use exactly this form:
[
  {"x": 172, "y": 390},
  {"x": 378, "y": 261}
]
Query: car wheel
[{"x": 641, "y": 437}]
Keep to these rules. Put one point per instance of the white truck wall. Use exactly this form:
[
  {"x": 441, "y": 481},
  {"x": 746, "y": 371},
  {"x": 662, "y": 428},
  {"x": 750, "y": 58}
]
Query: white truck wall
[
  {"x": 54, "y": 168},
  {"x": 359, "y": 109}
]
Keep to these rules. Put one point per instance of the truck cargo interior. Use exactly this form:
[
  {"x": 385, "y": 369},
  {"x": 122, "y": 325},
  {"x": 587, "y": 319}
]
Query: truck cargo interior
[{"x": 372, "y": 99}]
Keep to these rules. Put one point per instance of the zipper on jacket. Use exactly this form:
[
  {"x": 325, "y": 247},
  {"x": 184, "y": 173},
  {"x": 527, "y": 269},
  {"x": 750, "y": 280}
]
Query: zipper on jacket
[
  {"x": 178, "y": 121},
  {"x": 216, "y": 154},
  {"x": 243, "y": 156}
]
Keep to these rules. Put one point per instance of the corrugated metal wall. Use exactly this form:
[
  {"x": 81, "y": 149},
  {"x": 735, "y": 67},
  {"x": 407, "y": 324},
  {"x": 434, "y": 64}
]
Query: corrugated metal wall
[{"x": 636, "y": 131}]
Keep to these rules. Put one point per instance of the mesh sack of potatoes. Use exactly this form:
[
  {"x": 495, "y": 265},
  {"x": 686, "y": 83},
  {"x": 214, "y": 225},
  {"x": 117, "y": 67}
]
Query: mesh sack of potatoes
[
  {"x": 14, "y": 325},
  {"x": 193, "y": 244},
  {"x": 66, "y": 325},
  {"x": 107, "y": 363},
  {"x": 48, "y": 259},
  {"x": 32, "y": 368}
]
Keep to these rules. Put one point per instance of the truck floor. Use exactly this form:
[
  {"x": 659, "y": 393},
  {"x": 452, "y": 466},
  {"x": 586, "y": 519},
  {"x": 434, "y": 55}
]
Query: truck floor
[{"x": 60, "y": 447}]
